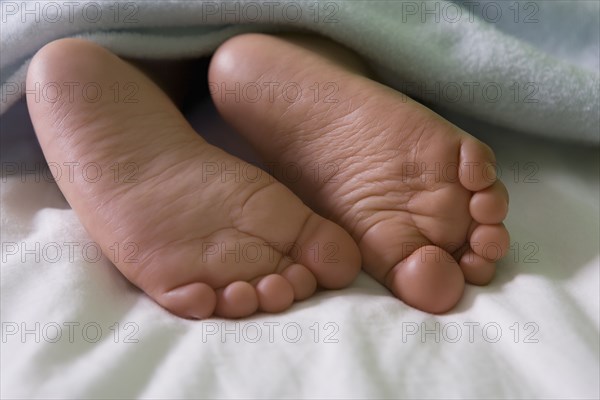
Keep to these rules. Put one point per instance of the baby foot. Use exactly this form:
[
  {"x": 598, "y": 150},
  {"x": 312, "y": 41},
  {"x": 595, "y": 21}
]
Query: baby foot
[
  {"x": 419, "y": 195},
  {"x": 212, "y": 234}
]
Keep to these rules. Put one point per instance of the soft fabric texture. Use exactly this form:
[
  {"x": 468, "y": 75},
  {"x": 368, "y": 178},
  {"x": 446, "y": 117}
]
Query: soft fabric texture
[{"x": 530, "y": 66}]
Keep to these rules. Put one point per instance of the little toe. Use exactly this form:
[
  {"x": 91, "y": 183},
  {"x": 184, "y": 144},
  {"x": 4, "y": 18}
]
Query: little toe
[
  {"x": 236, "y": 300},
  {"x": 477, "y": 169},
  {"x": 477, "y": 270},
  {"x": 429, "y": 279},
  {"x": 275, "y": 294},
  {"x": 302, "y": 280},
  {"x": 196, "y": 300},
  {"x": 490, "y": 206},
  {"x": 490, "y": 241}
]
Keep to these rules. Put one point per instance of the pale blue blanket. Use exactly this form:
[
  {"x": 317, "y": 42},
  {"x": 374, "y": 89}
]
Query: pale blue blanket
[{"x": 530, "y": 66}]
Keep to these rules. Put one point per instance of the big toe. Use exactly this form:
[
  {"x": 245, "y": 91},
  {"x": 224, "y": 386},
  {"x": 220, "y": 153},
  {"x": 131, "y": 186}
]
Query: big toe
[
  {"x": 429, "y": 279},
  {"x": 329, "y": 252}
]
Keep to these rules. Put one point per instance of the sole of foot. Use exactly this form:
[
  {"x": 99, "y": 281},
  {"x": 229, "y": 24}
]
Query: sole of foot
[
  {"x": 419, "y": 195},
  {"x": 164, "y": 205}
]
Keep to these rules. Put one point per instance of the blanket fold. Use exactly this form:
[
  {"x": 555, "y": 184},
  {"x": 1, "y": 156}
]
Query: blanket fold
[{"x": 496, "y": 61}]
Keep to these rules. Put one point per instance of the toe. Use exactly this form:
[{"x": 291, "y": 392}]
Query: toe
[
  {"x": 429, "y": 279},
  {"x": 490, "y": 241},
  {"x": 195, "y": 300},
  {"x": 302, "y": 280},
  {"x": 275, "y": 293},
  {"x": 477, "y": 270},
  {"x": 490, "y": 206},
  {"x": 237, "y": 300},
  {"x": 329, "y": 252},
  {"x": 477, "y": 168}
]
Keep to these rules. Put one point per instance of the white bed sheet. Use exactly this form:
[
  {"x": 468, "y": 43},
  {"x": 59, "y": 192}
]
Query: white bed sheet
[{"x": 541, "y": 314}]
